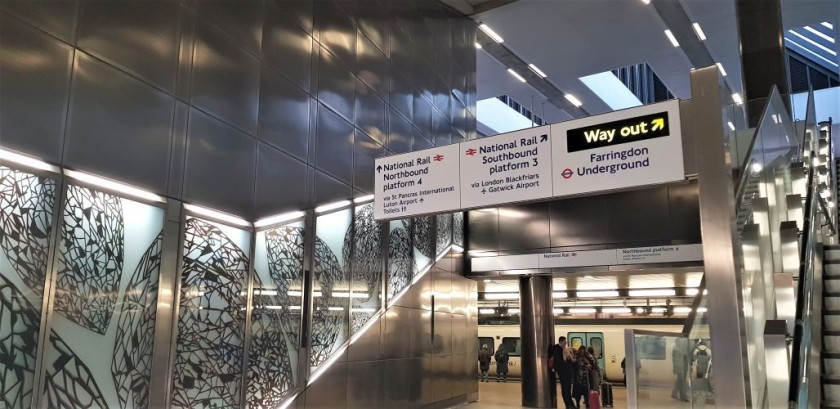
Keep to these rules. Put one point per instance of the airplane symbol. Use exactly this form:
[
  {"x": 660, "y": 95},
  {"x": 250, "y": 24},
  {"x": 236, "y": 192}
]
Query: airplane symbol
[
  {"x": 471, "y": 152},
  {"x": 438, "y": 158},
  {"x": 657, "y": 124}
]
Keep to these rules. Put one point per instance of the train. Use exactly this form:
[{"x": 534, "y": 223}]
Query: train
[{"x": 607, "y": 341}]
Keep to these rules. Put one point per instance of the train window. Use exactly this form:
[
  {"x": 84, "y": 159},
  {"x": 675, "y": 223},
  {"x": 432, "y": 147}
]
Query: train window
[
  {"x": 513, "y": 346},
  {"x": 597, "y": 345},
  {"x": 487, "y": 341},
  {"x": 576, "y": 342}
]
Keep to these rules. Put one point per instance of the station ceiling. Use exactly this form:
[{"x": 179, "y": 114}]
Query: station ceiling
[
  {"x": 625, "y": 280},
  {"x": 571, "y": 39}
]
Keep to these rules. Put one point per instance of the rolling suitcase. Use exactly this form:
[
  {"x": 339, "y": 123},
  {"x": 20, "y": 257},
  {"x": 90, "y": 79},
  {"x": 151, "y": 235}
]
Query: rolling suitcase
[
  {"x": 594, "y": 400},
  {"x": 606, "y": 394}
]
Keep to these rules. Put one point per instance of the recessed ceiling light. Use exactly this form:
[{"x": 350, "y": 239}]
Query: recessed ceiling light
[
  {"x": 827, "y": 25},
  {"x": 537, "y": 70},
  {"x": 616, "y": 310},
  {"x": 279, "y": 218},
  {"x": 487, "y": 280},
  {"x": 560, "y": 294},
  {"x": 662, "y": 292},
  {"x": 363, "y": 199},
  {"x": 731, "y": 125},
  {"x": 737, "y": 98},
  {"x": 700, "y": 34},
  {"x": 692, "y": 291},
  {"x": 215, "y": 214},
  {"x": 582, "y": 311},
  {"x": 576, "y": 102},
  {"x": 597, "y": 294},
  {"x": 646, "y": 1},
  {"x": 671, "y": 37},
  {"x": 332, "y": 206},
  {"x": 489, "y": 31},
  {"x": 27, "y": 161},
  {"x": 819, "y": 34},
  {"x": 501, "y": 296},
  {"x": 516, "y": 74},
  {"x": 720, "y": 68},
  {"x": 477, "y": 45},
  {"x": 682, "y": 310},
  {"x": 121, "y": 187}
]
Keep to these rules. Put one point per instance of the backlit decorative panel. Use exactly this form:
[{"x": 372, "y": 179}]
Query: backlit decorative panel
[
  {"x": 330, "y": 318},
  {"x": 458, "y": 228},
  {"x": 444, "y": 232},
  {"x": 400, "y": 254},
  {"x": 90, "y": 259},
  {"x": 276, "y": 314},
  {"x": 424, "y": 243},
  {"x": 363, "y": 257},
  {"x": 209, "y": 350},
  {"x": 26, "y": 206}
]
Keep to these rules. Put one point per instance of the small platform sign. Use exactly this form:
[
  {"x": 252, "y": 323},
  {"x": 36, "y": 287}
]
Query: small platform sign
[
  {"x": 508, "y": 168},
  {"x": 634, "y": 147},
  {"x": 417, "y": 183}
]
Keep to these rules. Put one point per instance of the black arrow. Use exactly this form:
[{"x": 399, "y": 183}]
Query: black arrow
[
  {"x": 379, "y": 169},
  {"x": 544, "y": 138}
]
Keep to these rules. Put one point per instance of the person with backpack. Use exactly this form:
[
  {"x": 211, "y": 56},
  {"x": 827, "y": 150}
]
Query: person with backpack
[
  {"x": 502, "y": 359},
  {"x": 484, "y": 362}
]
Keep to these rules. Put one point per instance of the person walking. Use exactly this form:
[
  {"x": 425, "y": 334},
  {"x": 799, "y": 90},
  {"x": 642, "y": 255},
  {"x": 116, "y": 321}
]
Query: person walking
[
  {"x": 681, "y": 363},
  {"x": 595, "y": 370},
  {"x": 484, "y": 362},
  {"x": 563, "y": 365},
  {"x": 582, "y": 368},
  {"x": 502, "y": 359}
]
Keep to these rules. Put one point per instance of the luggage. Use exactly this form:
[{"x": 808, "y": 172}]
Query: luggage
[
  {"x": 594, "y": 400},
  {"x": 606, "y": 394}
]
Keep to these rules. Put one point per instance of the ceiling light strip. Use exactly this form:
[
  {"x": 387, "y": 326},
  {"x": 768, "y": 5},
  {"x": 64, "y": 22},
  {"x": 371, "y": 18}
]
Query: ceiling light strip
[
  {"x": 115, "y": 186},
  {"x": 720, "y": 68},
  {"x": 671, "y": 37},
  {"x": 571, "y": 98},
  {"x": 516, "y": 75},
  {"x": 536, "y": 70},
  {"x": 26, "y": 161},
  {"x": 489, "y": 31},
  {"x": 332, "y": 206},
  {"x": 363, "y": 199},
  {"x": 699, "y": 31},
  {"x": 217, "y": 215},
  {"x": 819, "y": 34},
  {"x": 268, "y": 221},
  {"x": 814, "y": 43}
]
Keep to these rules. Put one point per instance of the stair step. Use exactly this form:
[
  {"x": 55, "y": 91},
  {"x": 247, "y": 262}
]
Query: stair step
[
  {"x": 831, "y": 284},
  {"x": 831, "y": 270},
  {"x": 831, "y": 343},
  {"x": 831, "y": 322},
  {"x": 831, "y": 367},
  {"x": 831, "y": 303},
  {"x": 828, "y": 294}
]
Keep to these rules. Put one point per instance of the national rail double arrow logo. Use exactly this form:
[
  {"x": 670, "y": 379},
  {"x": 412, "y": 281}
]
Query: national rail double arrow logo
[
  {"x": 470, "y": 152},
  {"x": 567, "y": 173},
  {"x": 438, "y": 158}
]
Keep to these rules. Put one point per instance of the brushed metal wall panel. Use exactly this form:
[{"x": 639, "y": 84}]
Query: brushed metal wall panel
[
  {"x": 580, "y": 221},
  {"x": 368, "y": 346},
  {"x": 648, "y": 207},
  {"x": 397, "y": 334},
  {"x": 457, "y": 136},
  {"x": 459, "y": 297},
  {"x": 364, "y": 384},
  {"x": 399, "y": 132},
  {"x": 416, "y": 374},
  {"x": 179, "y": 150},
  {"x": 428, "y": 382},
  {"x": 459, "y": 334},
  {"x": 285, "y": 45},
  {"x": 330, "y": 391},
  {"x": 186, "y": 48},
  {"x": 443, "y": 334},
  {"x": 443, "y": 377},
  {"x": 226, "y": 78},
  {"x": 373, "y": 19},
  {"x": 334, "y": 145},
  {"x": 370, "y": 113},
  {"x": 684, "y": 211},
  {"x": 372, "y": 65},
  {"x": 57, "y": 17},
  {"x": 423, "y": 112},
  {"x": 402, "y": 52},
  {"x": 280, "y": 182},
  {"x": 366, "y": 150},
  {"x": 242, "y": 20},
  {"x": 301, "y": 12},
  {"x": 283, "y": 113},
  {"x": 440, "y": 129},
  {"x": 524, "y": 226},
  {"x": 118, "y": 126},
  {"x": 329, "y": 189},
  {"x": 420, "y": 141},
  {"x": 442, "y": 287},
  {"x": 139, "y": 37},
  {"x": 336, "y": 84},
  {"x": 34, "y": 77},
  {"x": 336, "y": 31},
  {"x": 220, "y": 166},
  {"x": 484, "y": 229},
  {"x": 401, "y": 96},
  {"x": 396, "y": 389},
  {"x": 421, "y": 333}
]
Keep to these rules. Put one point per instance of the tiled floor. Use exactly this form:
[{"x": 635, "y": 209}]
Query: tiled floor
[{"x": 494, "y": 395}]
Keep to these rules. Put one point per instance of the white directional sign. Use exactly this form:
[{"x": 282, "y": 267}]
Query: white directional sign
[
  {"x": 633, "y": 147},
  {"x": 417, "y": 183},
  {"x": 661, "y": 254},
  {"x": 577, "y": 259},
  {"x": 508, "y": 168}
]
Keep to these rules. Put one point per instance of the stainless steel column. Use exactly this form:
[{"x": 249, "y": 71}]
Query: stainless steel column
[
  {"x": 721, "y": 247},
  {"x": 537, "y": 333}
]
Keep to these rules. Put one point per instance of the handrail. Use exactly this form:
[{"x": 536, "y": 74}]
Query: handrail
[{"x": 799, "y": 349}]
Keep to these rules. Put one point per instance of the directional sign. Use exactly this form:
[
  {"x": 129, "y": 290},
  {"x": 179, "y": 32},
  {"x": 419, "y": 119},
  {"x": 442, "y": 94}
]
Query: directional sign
[
  {"x": 634, "y": 147},
  {"x": 507, "y": 168},
  {"x": 417, "y": 183}
]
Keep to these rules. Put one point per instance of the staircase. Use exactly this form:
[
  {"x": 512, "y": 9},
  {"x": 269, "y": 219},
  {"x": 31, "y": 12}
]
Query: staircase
[{"x": 831, "y": 329}]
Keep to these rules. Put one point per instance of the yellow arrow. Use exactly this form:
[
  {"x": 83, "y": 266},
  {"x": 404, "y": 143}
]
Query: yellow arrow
[{"x": 657, "y": 124}]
